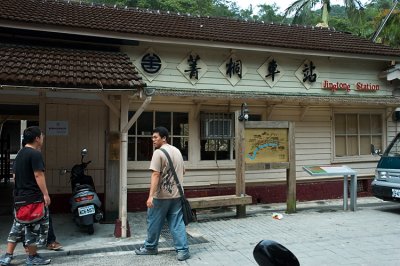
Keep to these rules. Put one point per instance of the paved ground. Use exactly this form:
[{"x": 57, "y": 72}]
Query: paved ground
[{"x": 320, "y": 233}]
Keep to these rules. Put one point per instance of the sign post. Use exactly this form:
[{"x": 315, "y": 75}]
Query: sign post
[
  {"x": 340, "y": 170},
  {"x": 240, "y": 163},
  {"x": 271, "y": 145}
]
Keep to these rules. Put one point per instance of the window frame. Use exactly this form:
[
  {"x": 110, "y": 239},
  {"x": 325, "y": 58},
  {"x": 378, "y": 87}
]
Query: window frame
[
  {"x": 358, "y": 112},
  {"x": 210, "y": 116},
  {"x": 171, "y": 137}
]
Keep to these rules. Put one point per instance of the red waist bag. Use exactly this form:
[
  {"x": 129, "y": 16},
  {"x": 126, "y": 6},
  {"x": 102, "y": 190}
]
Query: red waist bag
[{"x": 30, "y": 213}]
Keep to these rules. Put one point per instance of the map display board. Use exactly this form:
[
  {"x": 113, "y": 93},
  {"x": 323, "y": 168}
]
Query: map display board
[
  {"x": 266, "y": 145},
  {"x": 328, "y": 170}
]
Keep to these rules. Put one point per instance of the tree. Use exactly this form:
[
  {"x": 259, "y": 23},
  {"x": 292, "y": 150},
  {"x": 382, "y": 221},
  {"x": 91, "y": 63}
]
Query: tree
[
  {"x": 303, "y": 8},
  {"x": 390, "y": 33},
  {"x": 269, "y": 13},
  {"x": 223, "y": 8}
]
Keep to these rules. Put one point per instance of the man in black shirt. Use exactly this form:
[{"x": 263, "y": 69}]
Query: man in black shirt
[{"x": 30, "y": 183}]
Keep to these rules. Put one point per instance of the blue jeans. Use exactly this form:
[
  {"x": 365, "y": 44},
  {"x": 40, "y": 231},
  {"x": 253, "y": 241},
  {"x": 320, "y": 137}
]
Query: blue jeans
[
  {"x": 51, "y": 237},
  {"x": 170, "y": 209}
]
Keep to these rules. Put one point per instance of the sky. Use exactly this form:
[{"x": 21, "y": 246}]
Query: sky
[{"x": 282, "y": 4}]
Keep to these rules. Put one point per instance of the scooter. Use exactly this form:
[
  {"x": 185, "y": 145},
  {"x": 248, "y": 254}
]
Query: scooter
[{"x": 85, "y": 204}]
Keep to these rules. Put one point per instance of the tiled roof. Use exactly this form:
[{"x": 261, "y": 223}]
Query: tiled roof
[
  {"x": 170, "y": 25},
  {"x": 23, "y": 65}
]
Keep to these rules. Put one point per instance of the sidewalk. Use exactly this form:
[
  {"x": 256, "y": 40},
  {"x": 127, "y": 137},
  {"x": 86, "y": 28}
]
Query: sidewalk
[{"x": 317, "y": 232}]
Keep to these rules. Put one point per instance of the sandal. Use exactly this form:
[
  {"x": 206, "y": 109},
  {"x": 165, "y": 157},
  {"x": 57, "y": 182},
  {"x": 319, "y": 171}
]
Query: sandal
[{"x": 54, "y": 246}]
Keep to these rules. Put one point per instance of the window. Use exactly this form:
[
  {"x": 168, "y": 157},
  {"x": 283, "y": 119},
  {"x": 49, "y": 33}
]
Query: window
[
  {"x": 140, "y": 146},
  {"x": 354, "y": 133},
  {"x": 217, "y": 136}
]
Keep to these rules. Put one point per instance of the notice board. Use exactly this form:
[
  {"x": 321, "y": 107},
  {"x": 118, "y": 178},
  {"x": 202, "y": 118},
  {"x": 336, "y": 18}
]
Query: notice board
[{"x": 266, "y": 145}]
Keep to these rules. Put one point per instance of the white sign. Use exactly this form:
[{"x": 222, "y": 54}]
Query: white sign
[{"x": 57, "y": 128}]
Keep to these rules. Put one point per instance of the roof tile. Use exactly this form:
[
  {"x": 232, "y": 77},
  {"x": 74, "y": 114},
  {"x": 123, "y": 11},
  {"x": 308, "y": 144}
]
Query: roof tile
[
  {"x": 80, "y": 16},
  {"x": 43, "y": 66}
]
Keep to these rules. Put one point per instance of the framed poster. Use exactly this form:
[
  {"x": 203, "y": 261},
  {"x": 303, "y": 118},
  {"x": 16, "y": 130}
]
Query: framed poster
[{"x": 266, "y": 145}]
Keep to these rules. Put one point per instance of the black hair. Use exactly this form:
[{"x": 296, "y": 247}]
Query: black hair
[
  {"x": 30, "y": 134},
  {"x": 162, "y": 131}
]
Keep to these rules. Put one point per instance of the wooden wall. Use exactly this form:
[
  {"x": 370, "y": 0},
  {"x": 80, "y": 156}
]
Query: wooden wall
[
  {"x": 314, "y": 145},
  {"x": 313, "y": 123},
  {"x": 87, "y": 124},
  {"x": 328, "y": 67}
]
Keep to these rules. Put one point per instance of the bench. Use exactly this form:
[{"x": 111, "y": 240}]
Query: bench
[{"x": 218, "y": 201}]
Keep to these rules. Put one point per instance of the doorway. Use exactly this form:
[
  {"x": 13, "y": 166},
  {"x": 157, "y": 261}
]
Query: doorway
[{"x": 13, "y": 120}]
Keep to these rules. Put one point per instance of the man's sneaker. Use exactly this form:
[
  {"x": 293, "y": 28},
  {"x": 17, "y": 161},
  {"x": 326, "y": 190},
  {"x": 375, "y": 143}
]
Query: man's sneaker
[
  {"x": 146, "y": 251},
  {"x": 54, "y": 246},
  {"x": 37, "y": 260},
  {"x": 6, "y": 259},
  {"x": 183, "y": 255}
]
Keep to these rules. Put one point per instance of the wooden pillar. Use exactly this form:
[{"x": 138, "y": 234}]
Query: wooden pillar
[
  {"x": 42, "y": 119},
  {"x": 123, "y": 190},
  {"x": 111, "y": 187},
  {"x": 291, "y": 172},
  {"x": 112, "y": 177},
  {"x": 240, "y": 164}
]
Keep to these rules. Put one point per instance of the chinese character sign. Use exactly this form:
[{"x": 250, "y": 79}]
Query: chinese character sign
[
  {"x": 308, "y": 72},
  {"x": 272, "y": 69},
  {"x": 193, "y": 69},
  {"x": 234, "y": 67}
]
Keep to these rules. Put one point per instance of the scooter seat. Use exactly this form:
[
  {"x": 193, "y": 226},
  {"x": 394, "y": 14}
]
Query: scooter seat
[{"x": 83, "y": 187}]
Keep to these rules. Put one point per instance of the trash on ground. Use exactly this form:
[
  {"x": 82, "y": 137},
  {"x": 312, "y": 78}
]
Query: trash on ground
[{"x": 277, "y": 216}]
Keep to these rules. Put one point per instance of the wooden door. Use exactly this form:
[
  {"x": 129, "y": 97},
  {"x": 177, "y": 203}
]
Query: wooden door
[{"x": 83, "y": 126}]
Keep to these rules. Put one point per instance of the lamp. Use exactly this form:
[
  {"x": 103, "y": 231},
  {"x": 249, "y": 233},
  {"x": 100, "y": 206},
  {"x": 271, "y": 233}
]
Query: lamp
[
  {"x": 149, "y": 91},
  {"x": 244, "y": 112}
]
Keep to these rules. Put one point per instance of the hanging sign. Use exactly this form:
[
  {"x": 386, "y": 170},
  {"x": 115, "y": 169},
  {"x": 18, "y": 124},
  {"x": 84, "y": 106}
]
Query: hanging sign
[{"x": 57, "y": 128}]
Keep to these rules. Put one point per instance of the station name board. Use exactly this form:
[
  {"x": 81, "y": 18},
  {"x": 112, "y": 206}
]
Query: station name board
[{"x": 359, "y": 86}]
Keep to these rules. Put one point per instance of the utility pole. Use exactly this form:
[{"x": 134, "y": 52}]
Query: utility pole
[{"x": 384, "y": 22}]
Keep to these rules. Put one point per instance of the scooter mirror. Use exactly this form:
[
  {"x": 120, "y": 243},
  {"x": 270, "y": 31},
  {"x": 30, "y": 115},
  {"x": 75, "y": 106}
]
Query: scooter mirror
[{"x": 84, "y": 152}]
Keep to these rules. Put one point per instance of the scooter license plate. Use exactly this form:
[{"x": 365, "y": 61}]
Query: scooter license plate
[{"x": 83, "y": 211}]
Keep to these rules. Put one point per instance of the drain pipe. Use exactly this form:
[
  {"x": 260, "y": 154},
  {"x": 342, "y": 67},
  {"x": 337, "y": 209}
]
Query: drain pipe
[{"x": 124, "y": 162}]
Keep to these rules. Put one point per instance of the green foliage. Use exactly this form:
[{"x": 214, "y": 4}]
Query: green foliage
[
  {"x": 301, "y": 11},
  {"x": 223, "y": 8},
  {"x": 390, "y": 34},
  {"x": 303, "y": 8},
  {"x": 269, "y": 13}
]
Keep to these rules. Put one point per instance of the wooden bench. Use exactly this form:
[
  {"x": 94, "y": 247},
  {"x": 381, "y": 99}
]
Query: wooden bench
[{"x": 218, "y": 201}]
